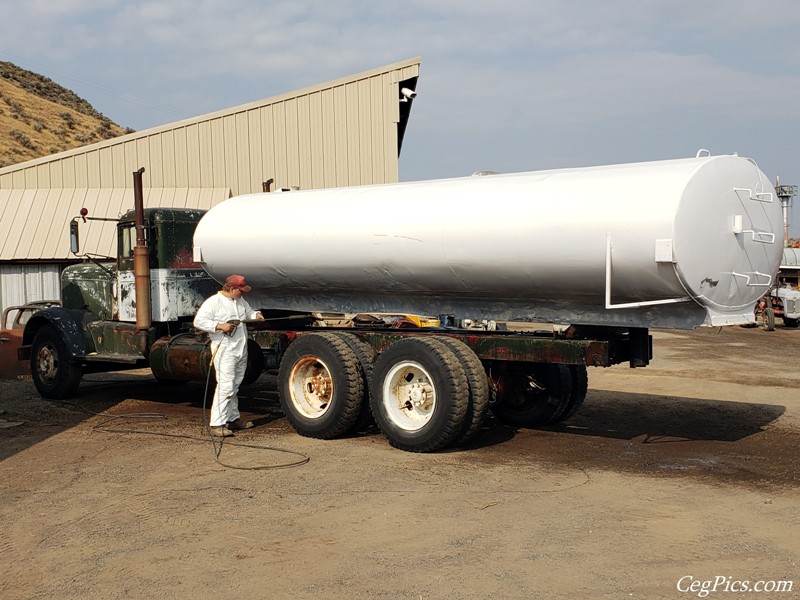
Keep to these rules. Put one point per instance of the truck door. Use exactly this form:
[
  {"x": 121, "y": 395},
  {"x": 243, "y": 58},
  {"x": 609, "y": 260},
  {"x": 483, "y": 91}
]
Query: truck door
[{"x": 125, "y": 286}]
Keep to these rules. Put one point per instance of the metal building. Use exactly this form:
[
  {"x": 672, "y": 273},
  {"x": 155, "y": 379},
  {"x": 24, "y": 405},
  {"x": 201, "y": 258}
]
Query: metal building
[{"x": 341, "y": 133}]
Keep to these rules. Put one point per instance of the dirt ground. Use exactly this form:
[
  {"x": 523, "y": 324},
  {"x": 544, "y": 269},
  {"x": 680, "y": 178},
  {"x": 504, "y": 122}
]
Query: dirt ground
[{"x": 668, "y": 477}]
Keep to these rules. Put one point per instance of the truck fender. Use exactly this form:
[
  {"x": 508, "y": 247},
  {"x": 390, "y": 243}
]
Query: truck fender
[{"x": 70, "y": 323}]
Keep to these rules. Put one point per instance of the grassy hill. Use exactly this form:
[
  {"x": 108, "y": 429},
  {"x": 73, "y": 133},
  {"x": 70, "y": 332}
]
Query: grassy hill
[{"x": 38, "y": 117}]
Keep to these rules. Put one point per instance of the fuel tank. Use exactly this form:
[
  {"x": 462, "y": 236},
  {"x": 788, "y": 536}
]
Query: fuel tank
[
  {"x": 673, "y": 244},
  {"x": 188, "y": 357},
  {"x": 184, "y": 357}
]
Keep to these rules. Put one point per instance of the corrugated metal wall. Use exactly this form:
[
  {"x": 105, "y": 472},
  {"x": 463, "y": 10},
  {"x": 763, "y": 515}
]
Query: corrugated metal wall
[
  {"x": 27, "y": 283},
  {"x": 335, "y": 134}
]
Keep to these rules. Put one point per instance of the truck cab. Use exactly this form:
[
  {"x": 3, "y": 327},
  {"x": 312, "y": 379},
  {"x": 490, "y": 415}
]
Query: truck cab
[
  {"x": 178, "y": 284},
  {"x": 95, "y": 328}
]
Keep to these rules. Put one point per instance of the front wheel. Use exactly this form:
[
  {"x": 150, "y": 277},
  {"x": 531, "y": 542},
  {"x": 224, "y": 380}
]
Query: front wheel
[
  {"x": 768, "y": 319},
  {"x": 54, "y": 376},
  {"x": 789, "y": 322}
]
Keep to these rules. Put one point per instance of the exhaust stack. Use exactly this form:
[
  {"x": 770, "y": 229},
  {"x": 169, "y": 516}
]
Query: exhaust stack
[{"x": 141, "y": 267}]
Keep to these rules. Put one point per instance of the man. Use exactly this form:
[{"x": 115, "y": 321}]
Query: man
[{"x": 220, "y": 316}]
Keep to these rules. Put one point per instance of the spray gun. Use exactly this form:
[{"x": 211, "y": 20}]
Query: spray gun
[{"x": 235, "y": 323}]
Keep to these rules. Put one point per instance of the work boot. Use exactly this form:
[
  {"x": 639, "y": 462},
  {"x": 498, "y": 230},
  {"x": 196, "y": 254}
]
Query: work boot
[
  {"x": 221, "y": 431},
  {"x": 238, "y": 425}
]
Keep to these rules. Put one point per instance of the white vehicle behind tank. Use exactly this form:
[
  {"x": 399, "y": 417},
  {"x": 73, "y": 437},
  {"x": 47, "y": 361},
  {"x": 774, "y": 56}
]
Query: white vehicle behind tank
[{"x": 783, "y": 299}]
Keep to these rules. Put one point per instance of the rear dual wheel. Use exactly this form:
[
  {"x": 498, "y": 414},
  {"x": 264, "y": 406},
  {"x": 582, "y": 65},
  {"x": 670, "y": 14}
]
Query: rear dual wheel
[
  {"x": 321, "y": 387},
  {"x": 425, "y": 394},
  {"x": 577, "y": 394},
  {"x": 477, "y": 387},
  {"x": 536, "y": 395},
  {"x": 366, "y": 356},
  {"x": 420, "y": 394}
]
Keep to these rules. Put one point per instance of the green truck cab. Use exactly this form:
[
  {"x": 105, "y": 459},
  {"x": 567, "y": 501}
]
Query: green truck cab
[{"x": 95, "y": 328}]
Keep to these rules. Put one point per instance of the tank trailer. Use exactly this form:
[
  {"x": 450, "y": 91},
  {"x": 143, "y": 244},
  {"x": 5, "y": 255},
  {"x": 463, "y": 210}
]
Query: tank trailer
[{"x": 605, "y": 252}]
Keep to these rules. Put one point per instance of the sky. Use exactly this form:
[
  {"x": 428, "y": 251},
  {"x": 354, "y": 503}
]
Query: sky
[{"x": 508, "y": 85}]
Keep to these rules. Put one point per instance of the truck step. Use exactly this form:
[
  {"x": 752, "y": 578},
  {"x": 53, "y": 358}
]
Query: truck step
[{"x": 109, "y": 357}]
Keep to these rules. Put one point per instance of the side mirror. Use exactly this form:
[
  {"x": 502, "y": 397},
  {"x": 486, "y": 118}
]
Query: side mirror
[{"x": 74, "y": 238}]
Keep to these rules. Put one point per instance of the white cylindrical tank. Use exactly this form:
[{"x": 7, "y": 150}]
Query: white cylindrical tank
[
  {"x": 676, "y": 243},
  {"x": 791, "y": 258}
]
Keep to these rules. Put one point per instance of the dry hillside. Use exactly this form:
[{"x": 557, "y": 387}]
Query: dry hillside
[{"x": 39, "y": 117}]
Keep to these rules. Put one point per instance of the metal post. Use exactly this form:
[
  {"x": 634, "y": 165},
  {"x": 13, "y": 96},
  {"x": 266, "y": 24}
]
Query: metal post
[
  {"x": 141, "y": 267},
  {"x": 785, "y": 193}
]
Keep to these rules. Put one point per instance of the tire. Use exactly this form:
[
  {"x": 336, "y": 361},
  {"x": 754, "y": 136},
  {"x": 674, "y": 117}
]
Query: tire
[
  {"x": 478, "y": 385},
  {"x": 789, "y": 322},
  {"x": 419, "y": 395},
  {"x": 580, "y": 386},
  {"x": 366, "y": 359},
  {"x": 768, "y": 319},
  {"x": 321, "y": 387},
  {"x": 53, "y": 374},
  {"x": 255, "y": 363},
  {"x": 533, "y": 394}
]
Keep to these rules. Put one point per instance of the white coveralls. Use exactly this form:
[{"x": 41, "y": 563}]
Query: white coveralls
[{"x": 229, "y": 352}]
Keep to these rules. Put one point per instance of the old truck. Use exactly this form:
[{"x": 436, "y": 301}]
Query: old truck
[
  {"x": 783, "y": 298},
  {"x": 782, "y": 301},
  {"x": 328, "y": 265}
]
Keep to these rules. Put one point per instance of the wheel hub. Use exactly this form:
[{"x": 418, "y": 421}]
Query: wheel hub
[
  {"x": 319, "y": 385},
  {"x": 311, "y": 386},
  {"x": 47, "y": 363},
  {"x": 409, "y": 395},
  {"x": 419, "y": 395}
]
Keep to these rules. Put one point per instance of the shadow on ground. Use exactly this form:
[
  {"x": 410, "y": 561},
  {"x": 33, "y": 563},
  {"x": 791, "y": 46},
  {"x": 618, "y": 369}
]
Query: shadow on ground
[
  {"x": 628, "y": 432},
  {"x": 658, "y": 435}
]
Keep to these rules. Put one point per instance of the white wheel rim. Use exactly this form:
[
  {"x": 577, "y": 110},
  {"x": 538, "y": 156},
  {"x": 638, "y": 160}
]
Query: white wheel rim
[
  {"x": 311, "y": 387},
  {"x": 409, "y": 396}
]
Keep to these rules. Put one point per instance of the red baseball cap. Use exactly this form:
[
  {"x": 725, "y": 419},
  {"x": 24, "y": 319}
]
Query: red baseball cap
[{"x": 237, "y": 282}]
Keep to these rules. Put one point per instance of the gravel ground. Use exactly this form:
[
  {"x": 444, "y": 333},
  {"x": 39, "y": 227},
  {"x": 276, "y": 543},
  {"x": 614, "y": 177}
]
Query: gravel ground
[{"x": 668, "y": 477}]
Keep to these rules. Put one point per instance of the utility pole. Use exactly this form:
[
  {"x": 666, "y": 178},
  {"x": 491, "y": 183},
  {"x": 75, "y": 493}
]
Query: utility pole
[{"x": 785, "y": 193}]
